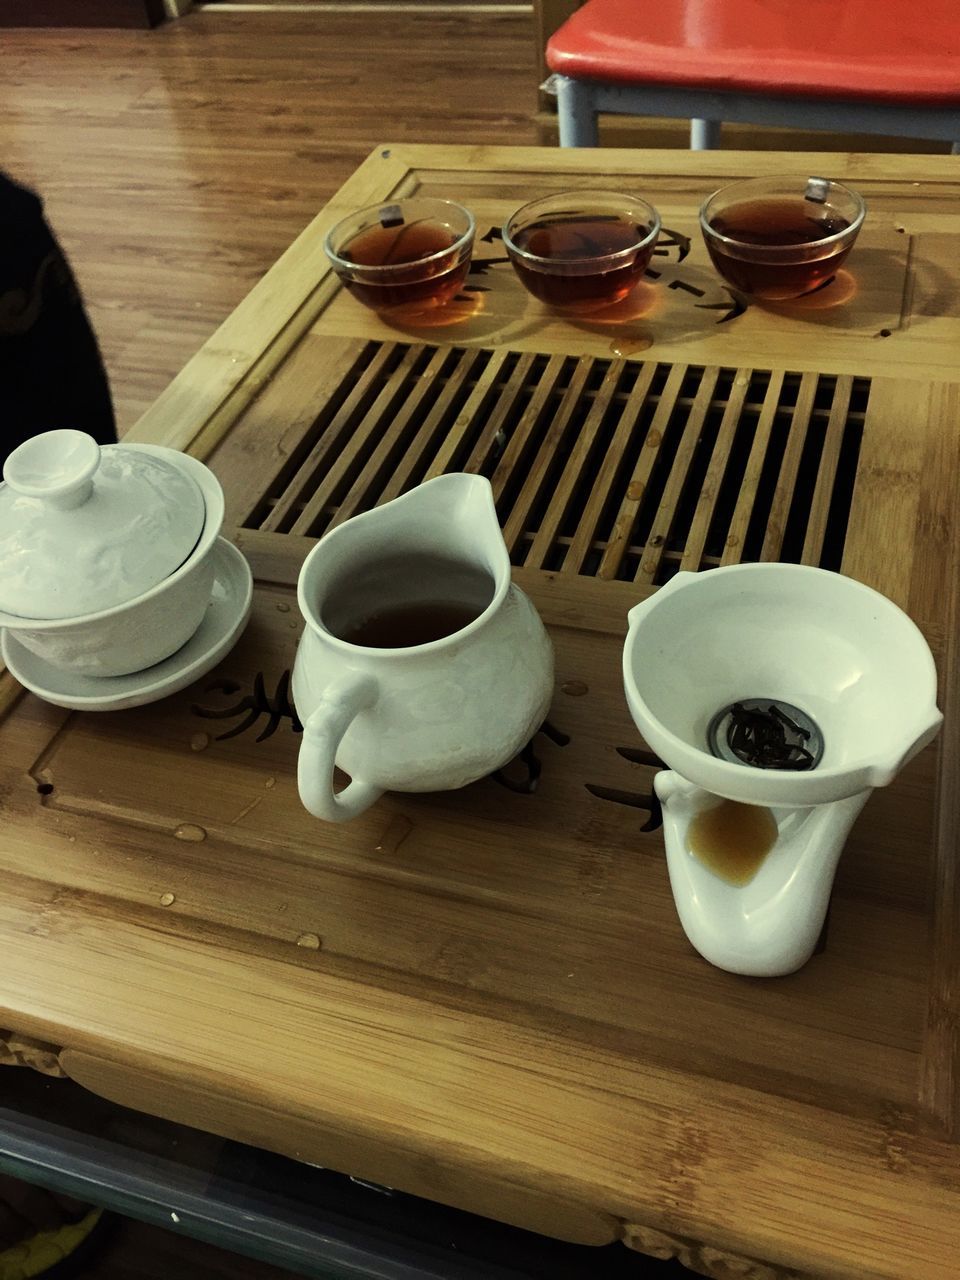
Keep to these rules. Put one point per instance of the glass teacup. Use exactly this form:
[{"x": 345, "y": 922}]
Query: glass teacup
[
  {"x": 410, "y": 255},
  {"x": 780, "y": 238},
  {"x": 581, "y": 250}
]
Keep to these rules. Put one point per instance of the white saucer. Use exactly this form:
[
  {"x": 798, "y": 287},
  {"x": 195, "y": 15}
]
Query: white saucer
[{"x": 227, "y": 615}]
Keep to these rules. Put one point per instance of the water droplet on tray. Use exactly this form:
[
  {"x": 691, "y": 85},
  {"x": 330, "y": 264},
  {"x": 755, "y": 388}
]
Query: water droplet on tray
[
  {"x": 167, "y": 899},
  {"x": 575, "y": 688},
  {"x": 630, "y": 346},
  {"x": 309, "y": 940},
  {"x": 190, "y": 831}
]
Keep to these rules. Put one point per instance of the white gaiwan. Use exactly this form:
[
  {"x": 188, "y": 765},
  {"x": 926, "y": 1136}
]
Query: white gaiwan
[
  {"x": 849, "y": 677},
  {"x": 105, "y": 564}
]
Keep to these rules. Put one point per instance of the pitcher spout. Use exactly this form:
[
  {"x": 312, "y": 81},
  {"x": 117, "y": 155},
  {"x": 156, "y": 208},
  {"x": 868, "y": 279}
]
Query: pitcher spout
[
  {"x": 444, "y": 530},
  {"x": 459, "y": 509}
]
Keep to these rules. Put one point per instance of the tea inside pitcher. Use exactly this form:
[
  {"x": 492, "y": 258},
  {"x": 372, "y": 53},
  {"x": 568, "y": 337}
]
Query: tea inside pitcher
[
  {"x": 410, "y": 624},
  {"x": 404, "y": 601}
]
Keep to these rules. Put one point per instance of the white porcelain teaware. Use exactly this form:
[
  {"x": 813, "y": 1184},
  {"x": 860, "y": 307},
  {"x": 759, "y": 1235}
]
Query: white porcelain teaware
[
  {"x": 425, "y": 717},
  {"x": 129, "y": 529},
  {"x": 856, "y": 682},
  {"x": 84, "y": 528}
]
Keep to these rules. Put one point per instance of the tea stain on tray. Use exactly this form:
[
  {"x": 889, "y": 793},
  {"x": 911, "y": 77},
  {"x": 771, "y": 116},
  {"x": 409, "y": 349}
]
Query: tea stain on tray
[{"x": 397, "y": 831}]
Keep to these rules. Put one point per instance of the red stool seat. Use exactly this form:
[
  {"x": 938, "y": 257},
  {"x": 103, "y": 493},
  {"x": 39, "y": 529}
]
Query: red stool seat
[{"x": 881, "y": 50}]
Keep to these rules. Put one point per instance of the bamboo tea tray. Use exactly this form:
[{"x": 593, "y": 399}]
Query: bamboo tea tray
[{"x": 486, "y": 997}]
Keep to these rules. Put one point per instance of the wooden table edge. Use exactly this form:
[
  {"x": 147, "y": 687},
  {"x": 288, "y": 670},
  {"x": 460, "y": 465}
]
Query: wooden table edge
[{"x": 243, "y": 371}]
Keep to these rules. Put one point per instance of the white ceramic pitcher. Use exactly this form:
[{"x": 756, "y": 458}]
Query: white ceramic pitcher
[{"x": 427, "y": 717}]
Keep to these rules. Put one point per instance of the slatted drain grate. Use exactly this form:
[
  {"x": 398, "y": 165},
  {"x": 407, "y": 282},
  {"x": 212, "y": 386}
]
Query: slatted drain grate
[{"x": 600, "y": 467}]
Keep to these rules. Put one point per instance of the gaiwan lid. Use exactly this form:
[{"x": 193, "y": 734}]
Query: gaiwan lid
[{"x": 83, "y": 528}]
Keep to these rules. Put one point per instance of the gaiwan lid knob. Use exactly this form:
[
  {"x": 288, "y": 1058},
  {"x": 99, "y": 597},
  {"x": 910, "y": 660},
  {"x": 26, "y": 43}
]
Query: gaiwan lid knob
[{"x": 85, "y": 528}]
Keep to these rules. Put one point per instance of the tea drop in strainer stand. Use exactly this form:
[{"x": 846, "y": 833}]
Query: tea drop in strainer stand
[{"x": 783, "y": 686}]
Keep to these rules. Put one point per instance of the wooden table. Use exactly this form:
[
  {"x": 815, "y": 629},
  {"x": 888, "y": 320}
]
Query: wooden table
[{"x": 485, "y": 997}]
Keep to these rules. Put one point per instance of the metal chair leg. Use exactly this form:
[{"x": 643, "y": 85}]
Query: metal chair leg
[
  {"x": 577, "y": 113},
  {"x": 704, "y": 135}
]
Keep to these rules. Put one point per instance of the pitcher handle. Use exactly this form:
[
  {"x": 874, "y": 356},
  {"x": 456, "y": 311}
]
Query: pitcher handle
[{"x": 322, "y": 735}]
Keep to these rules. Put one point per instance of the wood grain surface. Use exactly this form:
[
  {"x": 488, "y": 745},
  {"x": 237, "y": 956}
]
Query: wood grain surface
[
  {"x": 176, "y": 165},
  {"x": 486, "y": 997}
]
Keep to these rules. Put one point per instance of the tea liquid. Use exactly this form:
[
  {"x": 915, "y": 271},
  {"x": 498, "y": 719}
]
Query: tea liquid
[
  {"x": 777, "y": 222},
  {"x": 401, "y": 601},
  {"x": 568, "y": 280},
  {"x": 406, "y": 246},
  {"x": 405, "y": 625},
  {"x": 732, "y": 839}
]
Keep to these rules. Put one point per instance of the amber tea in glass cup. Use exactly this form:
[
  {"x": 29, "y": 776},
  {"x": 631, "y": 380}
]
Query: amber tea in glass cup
[
  {"x": 781, "y": 238},
  {"x": 411, "y": 255},
  {"x": 581, "y": 250}
]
